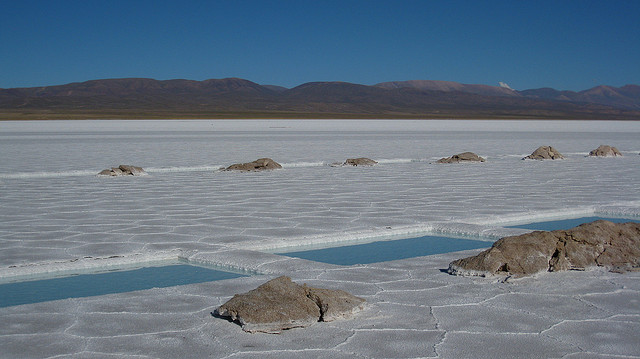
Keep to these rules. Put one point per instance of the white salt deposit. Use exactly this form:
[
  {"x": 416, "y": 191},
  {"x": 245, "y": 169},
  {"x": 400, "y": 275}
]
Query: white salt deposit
[{"x": 57, "y": 215}]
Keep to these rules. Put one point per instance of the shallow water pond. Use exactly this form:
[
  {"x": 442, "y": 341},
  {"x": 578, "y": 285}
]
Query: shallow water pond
[
  {"x": 87, "y": 285},
  {"x": 383, "y": 251},
  {"x": 568, "y": 223}
]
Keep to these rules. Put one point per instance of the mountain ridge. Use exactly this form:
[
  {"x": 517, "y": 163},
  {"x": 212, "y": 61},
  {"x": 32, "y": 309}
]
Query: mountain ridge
[
  {"x": 236, "y": 97},
  {"x": 449, "y": 86},
  {"x": 627, "y": 96}
]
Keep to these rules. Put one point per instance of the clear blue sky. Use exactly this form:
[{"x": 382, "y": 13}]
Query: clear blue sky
[{"x": 564, "y": 44}]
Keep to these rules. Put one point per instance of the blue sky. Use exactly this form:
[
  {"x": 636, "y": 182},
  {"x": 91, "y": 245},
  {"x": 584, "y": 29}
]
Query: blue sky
[{"x": 567, "y": 45}]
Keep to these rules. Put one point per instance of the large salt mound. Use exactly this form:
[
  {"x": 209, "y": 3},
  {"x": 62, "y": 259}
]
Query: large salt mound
[
  {"x": 599, "y": 243},
  {"x": 605, "y": 151},
  {"x": 260, "y": 164},
  {"x": 281, "y": 304},
  {"x": 462, "y": 157},
  {"x": 544, "y": 153}
]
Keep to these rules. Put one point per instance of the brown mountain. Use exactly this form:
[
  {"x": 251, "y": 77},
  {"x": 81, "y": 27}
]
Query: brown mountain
[
  {"x": 449, "y": 86},
  {"x": 238, "y": 98},
  {"x": 625, "y": 97},
  {"x": 133, "y": 86}
]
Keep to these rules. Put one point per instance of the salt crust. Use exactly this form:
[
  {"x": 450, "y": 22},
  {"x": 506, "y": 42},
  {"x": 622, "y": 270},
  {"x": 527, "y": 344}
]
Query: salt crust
[{"x": 416, "y": 309}]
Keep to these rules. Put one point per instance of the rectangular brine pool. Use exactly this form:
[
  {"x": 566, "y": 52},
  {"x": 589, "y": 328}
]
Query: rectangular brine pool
[
  {"x": 108, "y": 282},
  {"x": 569, "y": 223},
  {"x": 395, "y": 249},
  {"x": 388, "y": 250}
]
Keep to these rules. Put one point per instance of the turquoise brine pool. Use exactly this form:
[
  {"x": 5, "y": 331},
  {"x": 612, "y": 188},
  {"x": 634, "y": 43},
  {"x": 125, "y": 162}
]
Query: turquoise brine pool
[
  {"x": 568, "y": 223},
  {"x": 383, "y": 251},
  {"x": 87, "y": 285}
]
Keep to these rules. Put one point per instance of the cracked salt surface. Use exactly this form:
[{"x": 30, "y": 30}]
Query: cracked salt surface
[{"x": 51, "y": 219}]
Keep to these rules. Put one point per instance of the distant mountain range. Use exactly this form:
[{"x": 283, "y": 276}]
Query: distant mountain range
[
  {"x": 625, "y": 97},
  {"x": 238, "y": 98}
]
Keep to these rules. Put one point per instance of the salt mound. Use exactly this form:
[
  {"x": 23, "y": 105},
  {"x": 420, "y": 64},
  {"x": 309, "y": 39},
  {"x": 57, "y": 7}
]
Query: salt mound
[
  {"x": 260, "y": 164},
  {"x": 605, "y": 151},
  {"x": 544, "y": 153},
  {"x": 599, "y": 243},
  {"x": 362, "y": 161},
  {"x": 123, "y": 170},
  {"x": 462, "y": 157},
  {"x": 281, "y": 304}
]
